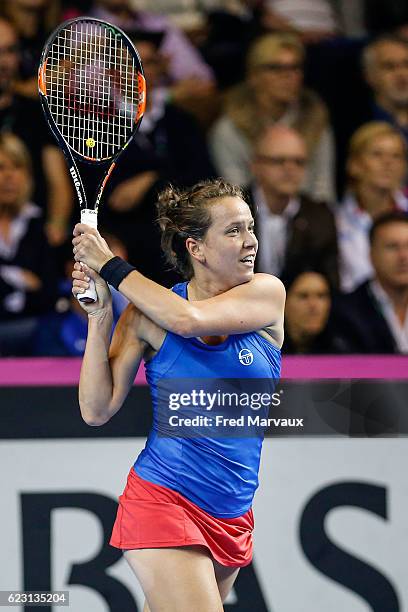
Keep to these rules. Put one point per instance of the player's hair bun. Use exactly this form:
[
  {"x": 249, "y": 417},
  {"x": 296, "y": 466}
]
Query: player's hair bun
[{"x": 186, "y": 214}]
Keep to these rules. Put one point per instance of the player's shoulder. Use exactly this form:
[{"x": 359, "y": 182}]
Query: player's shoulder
[{"x": 268, "y": 283}]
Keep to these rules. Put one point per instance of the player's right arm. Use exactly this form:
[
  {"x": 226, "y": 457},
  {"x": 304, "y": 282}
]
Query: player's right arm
[{"x": 108, "y": 368}]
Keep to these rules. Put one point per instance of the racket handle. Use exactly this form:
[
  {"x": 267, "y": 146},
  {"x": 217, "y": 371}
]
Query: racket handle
[{"x": 89, "y": 217}]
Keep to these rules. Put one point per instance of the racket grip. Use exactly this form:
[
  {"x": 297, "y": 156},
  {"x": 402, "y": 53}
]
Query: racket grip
[{"x": 89, "y": 217}]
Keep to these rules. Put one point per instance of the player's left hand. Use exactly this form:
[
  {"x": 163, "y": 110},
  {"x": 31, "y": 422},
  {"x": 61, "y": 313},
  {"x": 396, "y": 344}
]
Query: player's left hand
[{"x": 89, "y": 247}]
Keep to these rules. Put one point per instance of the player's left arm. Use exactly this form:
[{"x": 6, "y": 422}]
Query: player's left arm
[
  {"x": 251, "y": 306},
  {"x": 247, "y": 307}
]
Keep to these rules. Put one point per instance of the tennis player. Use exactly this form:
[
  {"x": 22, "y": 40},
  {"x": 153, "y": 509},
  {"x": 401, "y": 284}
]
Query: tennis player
[{"x": 184, "y": 520}]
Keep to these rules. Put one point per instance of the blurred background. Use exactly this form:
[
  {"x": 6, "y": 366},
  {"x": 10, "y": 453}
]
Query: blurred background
[{"x": 304, "y": 103}]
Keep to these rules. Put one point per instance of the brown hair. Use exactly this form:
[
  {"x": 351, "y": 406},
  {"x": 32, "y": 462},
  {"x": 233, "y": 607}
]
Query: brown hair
[
  {"x": 395, "y": 216},
  {"x": 186, "y": 214}
]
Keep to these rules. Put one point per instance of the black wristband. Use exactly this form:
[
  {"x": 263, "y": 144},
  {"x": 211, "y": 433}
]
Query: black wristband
[{"x": 115, "y": 270}]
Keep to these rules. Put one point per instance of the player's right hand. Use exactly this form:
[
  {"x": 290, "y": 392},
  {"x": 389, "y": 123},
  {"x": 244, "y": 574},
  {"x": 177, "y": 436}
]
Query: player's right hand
[{"x": 81, "y": 275}]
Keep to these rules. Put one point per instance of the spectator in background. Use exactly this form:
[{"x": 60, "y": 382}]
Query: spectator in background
[
  {"x": 169, "y": 141},
  {"x": 190, "y": 78},
  {"x": 169, "y": 147},
  {"x": 293, "y": 230},
  {"x": 308, "y": 327},
  {"x": 221, "y": 29},
  {"x": 191, "y": 14},
  {"x": 313, "y": 20},
  {"x": 376, "y": 168},
  {"x": 27, "y": 276},
  {"x": 385, "y": 16},
  {"x": 23, "y": 117},
  {"x": 33, "y": 20},
  {"x": 374, "y": 318},
  {"x": 385, "y": 63},
  {"x": 63, "y": 333},
  {"x": 273, "y": 92}
]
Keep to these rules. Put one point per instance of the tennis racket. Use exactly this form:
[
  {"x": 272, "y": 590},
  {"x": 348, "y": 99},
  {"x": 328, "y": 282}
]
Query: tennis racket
[{"x": 93, "y": 94}]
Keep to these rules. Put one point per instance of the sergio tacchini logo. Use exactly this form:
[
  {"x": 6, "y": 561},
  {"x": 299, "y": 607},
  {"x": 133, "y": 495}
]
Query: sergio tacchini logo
[{"x": 245, "y": 356}]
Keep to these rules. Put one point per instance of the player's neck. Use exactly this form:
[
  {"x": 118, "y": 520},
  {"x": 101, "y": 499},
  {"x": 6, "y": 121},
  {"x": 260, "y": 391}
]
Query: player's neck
[{"x": 202, "y": 290}]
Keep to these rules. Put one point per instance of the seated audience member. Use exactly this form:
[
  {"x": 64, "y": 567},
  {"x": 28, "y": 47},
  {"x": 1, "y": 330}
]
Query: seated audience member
[
  {"x": 27, "y": 278},
  {"x": 169, "y": 140},
  {"x": 385, "y": 63},
  {"x": 191, "y": 79},
  {"x": 376, "y": 168},
  {"x": 272, "y": 93},
  {"x": 221, "y": 29},
  {"x": 308, "y": 327},
  {"x": 385, "y": 16},
  {"x": 189, "y": 14},
  {"x": 169, "y": 147},
  {"x": 313, "y": 20},
  {"x": 33, "y": 21},
  {"x": 23, "y": 117},
  {"x": 293, "y": 230},
  {"x": 374, "y": 317},
  {"x": 63, "y": 333}
]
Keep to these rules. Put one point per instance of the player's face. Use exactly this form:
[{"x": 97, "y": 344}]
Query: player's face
[
  {"x": 280, "y": 78},
  {"x": 280, "y": 164},
  {"x": 389, "y": 254},
  {"x": 8, "y": 56},
  {"x": 229, "y": 240},
  {"x": 382, "y": 165},
  {"x": 389, "y": 75},
  {"x": 308, "y": 304},
  {"x": 14, "y": 183}
]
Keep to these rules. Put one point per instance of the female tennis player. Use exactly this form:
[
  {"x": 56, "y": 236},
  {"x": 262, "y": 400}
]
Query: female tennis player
[{"x": 184, "y": 520}]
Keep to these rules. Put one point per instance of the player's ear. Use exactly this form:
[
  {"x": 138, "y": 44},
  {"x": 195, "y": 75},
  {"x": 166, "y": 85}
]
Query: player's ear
[{"x": 195, "y": 249}]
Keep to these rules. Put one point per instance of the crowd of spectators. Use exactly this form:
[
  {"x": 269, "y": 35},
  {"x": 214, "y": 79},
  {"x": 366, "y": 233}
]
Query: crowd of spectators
[{"x": 304, "y": 103}]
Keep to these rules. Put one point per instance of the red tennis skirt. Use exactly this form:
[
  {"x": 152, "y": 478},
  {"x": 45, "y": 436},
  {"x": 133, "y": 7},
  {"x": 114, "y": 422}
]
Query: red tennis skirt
[{"x": 153, "y": 516}]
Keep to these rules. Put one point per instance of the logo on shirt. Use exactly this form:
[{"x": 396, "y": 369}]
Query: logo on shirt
[{"x": 245, "y": 356}]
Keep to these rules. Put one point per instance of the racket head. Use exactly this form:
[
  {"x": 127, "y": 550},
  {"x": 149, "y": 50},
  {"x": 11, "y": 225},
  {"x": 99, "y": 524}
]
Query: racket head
[{"x": 92, "y": 89}]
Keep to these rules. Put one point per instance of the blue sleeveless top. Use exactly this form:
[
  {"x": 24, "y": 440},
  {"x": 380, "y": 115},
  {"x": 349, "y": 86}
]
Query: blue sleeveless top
[{"x": 220, "y": 475}]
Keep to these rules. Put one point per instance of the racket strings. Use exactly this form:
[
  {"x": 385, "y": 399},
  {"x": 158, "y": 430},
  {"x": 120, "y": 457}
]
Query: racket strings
[{"x": 92, "y": 89}]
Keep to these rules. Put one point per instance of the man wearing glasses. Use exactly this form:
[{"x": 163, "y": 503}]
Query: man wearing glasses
[{"x": 294, "y": 232}]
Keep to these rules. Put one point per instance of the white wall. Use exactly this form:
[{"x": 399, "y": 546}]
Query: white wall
[{"x": 292, "y": 472}]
